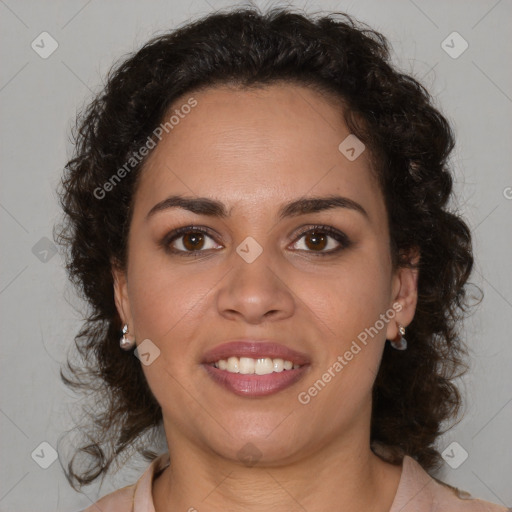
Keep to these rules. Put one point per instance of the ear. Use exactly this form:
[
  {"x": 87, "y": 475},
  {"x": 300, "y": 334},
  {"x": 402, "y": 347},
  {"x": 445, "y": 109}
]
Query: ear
[
  {"x": 404, "y": 295},
  {"x": 121, "y": 295}
]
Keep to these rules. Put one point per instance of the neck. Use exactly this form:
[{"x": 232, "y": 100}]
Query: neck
[{"x": 342, "y": 475}]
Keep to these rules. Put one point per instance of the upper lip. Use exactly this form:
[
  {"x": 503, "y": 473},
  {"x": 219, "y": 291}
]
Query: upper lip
[{"x": 255, "y": 349}]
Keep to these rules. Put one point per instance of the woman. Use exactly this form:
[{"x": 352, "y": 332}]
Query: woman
[{"x": 257, "y": 203}]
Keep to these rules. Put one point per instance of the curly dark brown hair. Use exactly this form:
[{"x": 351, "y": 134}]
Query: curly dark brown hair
[{"x": 409, "y": 141}]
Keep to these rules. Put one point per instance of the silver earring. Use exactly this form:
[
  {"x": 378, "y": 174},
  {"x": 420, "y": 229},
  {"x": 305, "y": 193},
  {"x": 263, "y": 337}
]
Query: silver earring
[
  {"x": 125, "y": 343},
  {"x": 401, "y": 342}
]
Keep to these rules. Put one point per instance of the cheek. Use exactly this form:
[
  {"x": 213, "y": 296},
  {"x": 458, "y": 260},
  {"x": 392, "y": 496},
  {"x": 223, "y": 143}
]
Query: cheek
[
  {"x": 164, "y": 301},
  {"x": 351, "y": 298},
  {"x": 162, "y": 294}
]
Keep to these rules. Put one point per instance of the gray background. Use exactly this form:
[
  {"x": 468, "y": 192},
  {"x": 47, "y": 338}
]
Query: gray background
[{"x": 39, "y": 98}]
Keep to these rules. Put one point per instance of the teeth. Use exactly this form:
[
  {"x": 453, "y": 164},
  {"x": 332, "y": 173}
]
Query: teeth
[
  {"x": 250, "y": 366},
  {"x": 233, "y": 365},
  {"x": 246, "y": 365},
  {"x": 264, "y": 366},
  {"x": 278, "y": 365}
]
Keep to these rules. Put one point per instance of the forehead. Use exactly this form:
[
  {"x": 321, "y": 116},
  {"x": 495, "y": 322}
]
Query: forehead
[{"x": 251, "y": 147}]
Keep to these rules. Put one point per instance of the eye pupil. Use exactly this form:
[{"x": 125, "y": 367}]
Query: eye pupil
[
  {"x": 315, "y": 236},
  {"x": 195, "y": 237}
]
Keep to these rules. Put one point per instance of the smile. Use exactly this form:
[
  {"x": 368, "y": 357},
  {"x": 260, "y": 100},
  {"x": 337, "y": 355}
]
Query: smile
[
  {"x": 255, "y": 368},
  {"x": 250, "y": 366},
  {"x": 253, "y": 385}
]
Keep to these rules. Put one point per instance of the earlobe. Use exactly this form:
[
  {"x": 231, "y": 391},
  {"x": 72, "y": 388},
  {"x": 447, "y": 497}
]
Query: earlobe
[{"x": 405, "y": 293}]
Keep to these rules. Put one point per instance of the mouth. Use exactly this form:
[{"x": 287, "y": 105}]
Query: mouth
[{"x": 255, "y": 368}]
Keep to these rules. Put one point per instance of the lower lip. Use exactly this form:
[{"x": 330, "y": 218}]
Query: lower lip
[{"x": 255, "y": 385}]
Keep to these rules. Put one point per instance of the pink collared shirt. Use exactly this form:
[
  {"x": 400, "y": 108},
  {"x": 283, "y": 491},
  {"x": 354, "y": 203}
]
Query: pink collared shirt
[{"x": 417, "y": 492}]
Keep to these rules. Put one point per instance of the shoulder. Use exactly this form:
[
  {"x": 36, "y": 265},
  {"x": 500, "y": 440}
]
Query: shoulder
[
  {"x": 136, "y": 497},
  {"x": 419, "y": 492},
  {"x": 117, "y": 501},
  {"x": 453, "y": 499}
]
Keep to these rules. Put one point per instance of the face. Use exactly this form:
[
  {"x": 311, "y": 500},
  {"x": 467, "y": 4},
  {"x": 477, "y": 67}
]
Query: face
[{"x": 294, "y": 284}]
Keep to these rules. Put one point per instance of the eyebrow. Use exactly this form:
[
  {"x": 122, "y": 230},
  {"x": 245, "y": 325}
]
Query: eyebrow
[{"x": 214, "y": 208}]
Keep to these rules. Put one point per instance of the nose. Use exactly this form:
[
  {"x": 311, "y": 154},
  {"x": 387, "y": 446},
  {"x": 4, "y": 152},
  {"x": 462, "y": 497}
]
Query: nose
[{"x": 256, "y": 291}]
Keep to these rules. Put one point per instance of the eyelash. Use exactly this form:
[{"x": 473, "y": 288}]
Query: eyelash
[{"x": 339, "y": 236}]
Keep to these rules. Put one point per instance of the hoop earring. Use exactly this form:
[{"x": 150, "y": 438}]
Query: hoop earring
[
  {"x": 125, "y": 343},
  {"x": 399, "y": 343}
]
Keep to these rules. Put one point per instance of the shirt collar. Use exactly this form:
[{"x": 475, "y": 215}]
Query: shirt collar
[
  {"x": 142, "y": 496},
  {"x": 414, "y": 492}
]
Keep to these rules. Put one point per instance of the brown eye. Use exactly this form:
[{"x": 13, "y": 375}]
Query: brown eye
[
  {"x": 319, "y": 240},
  {"x": 316, "y": 240},
  {"x": 193, "y": 241},
  {"x": 188, "y": 241}
]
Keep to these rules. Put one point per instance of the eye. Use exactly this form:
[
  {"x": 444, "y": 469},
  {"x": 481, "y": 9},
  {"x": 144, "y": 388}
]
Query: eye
[
  {"x": 316, "y": 239},
  {"x": 187, "y": 241},
  {"x": 192, "y": 240}
]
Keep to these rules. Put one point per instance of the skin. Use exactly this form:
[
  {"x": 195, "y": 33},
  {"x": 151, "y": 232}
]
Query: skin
[{"x": 254, "y": 150}]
